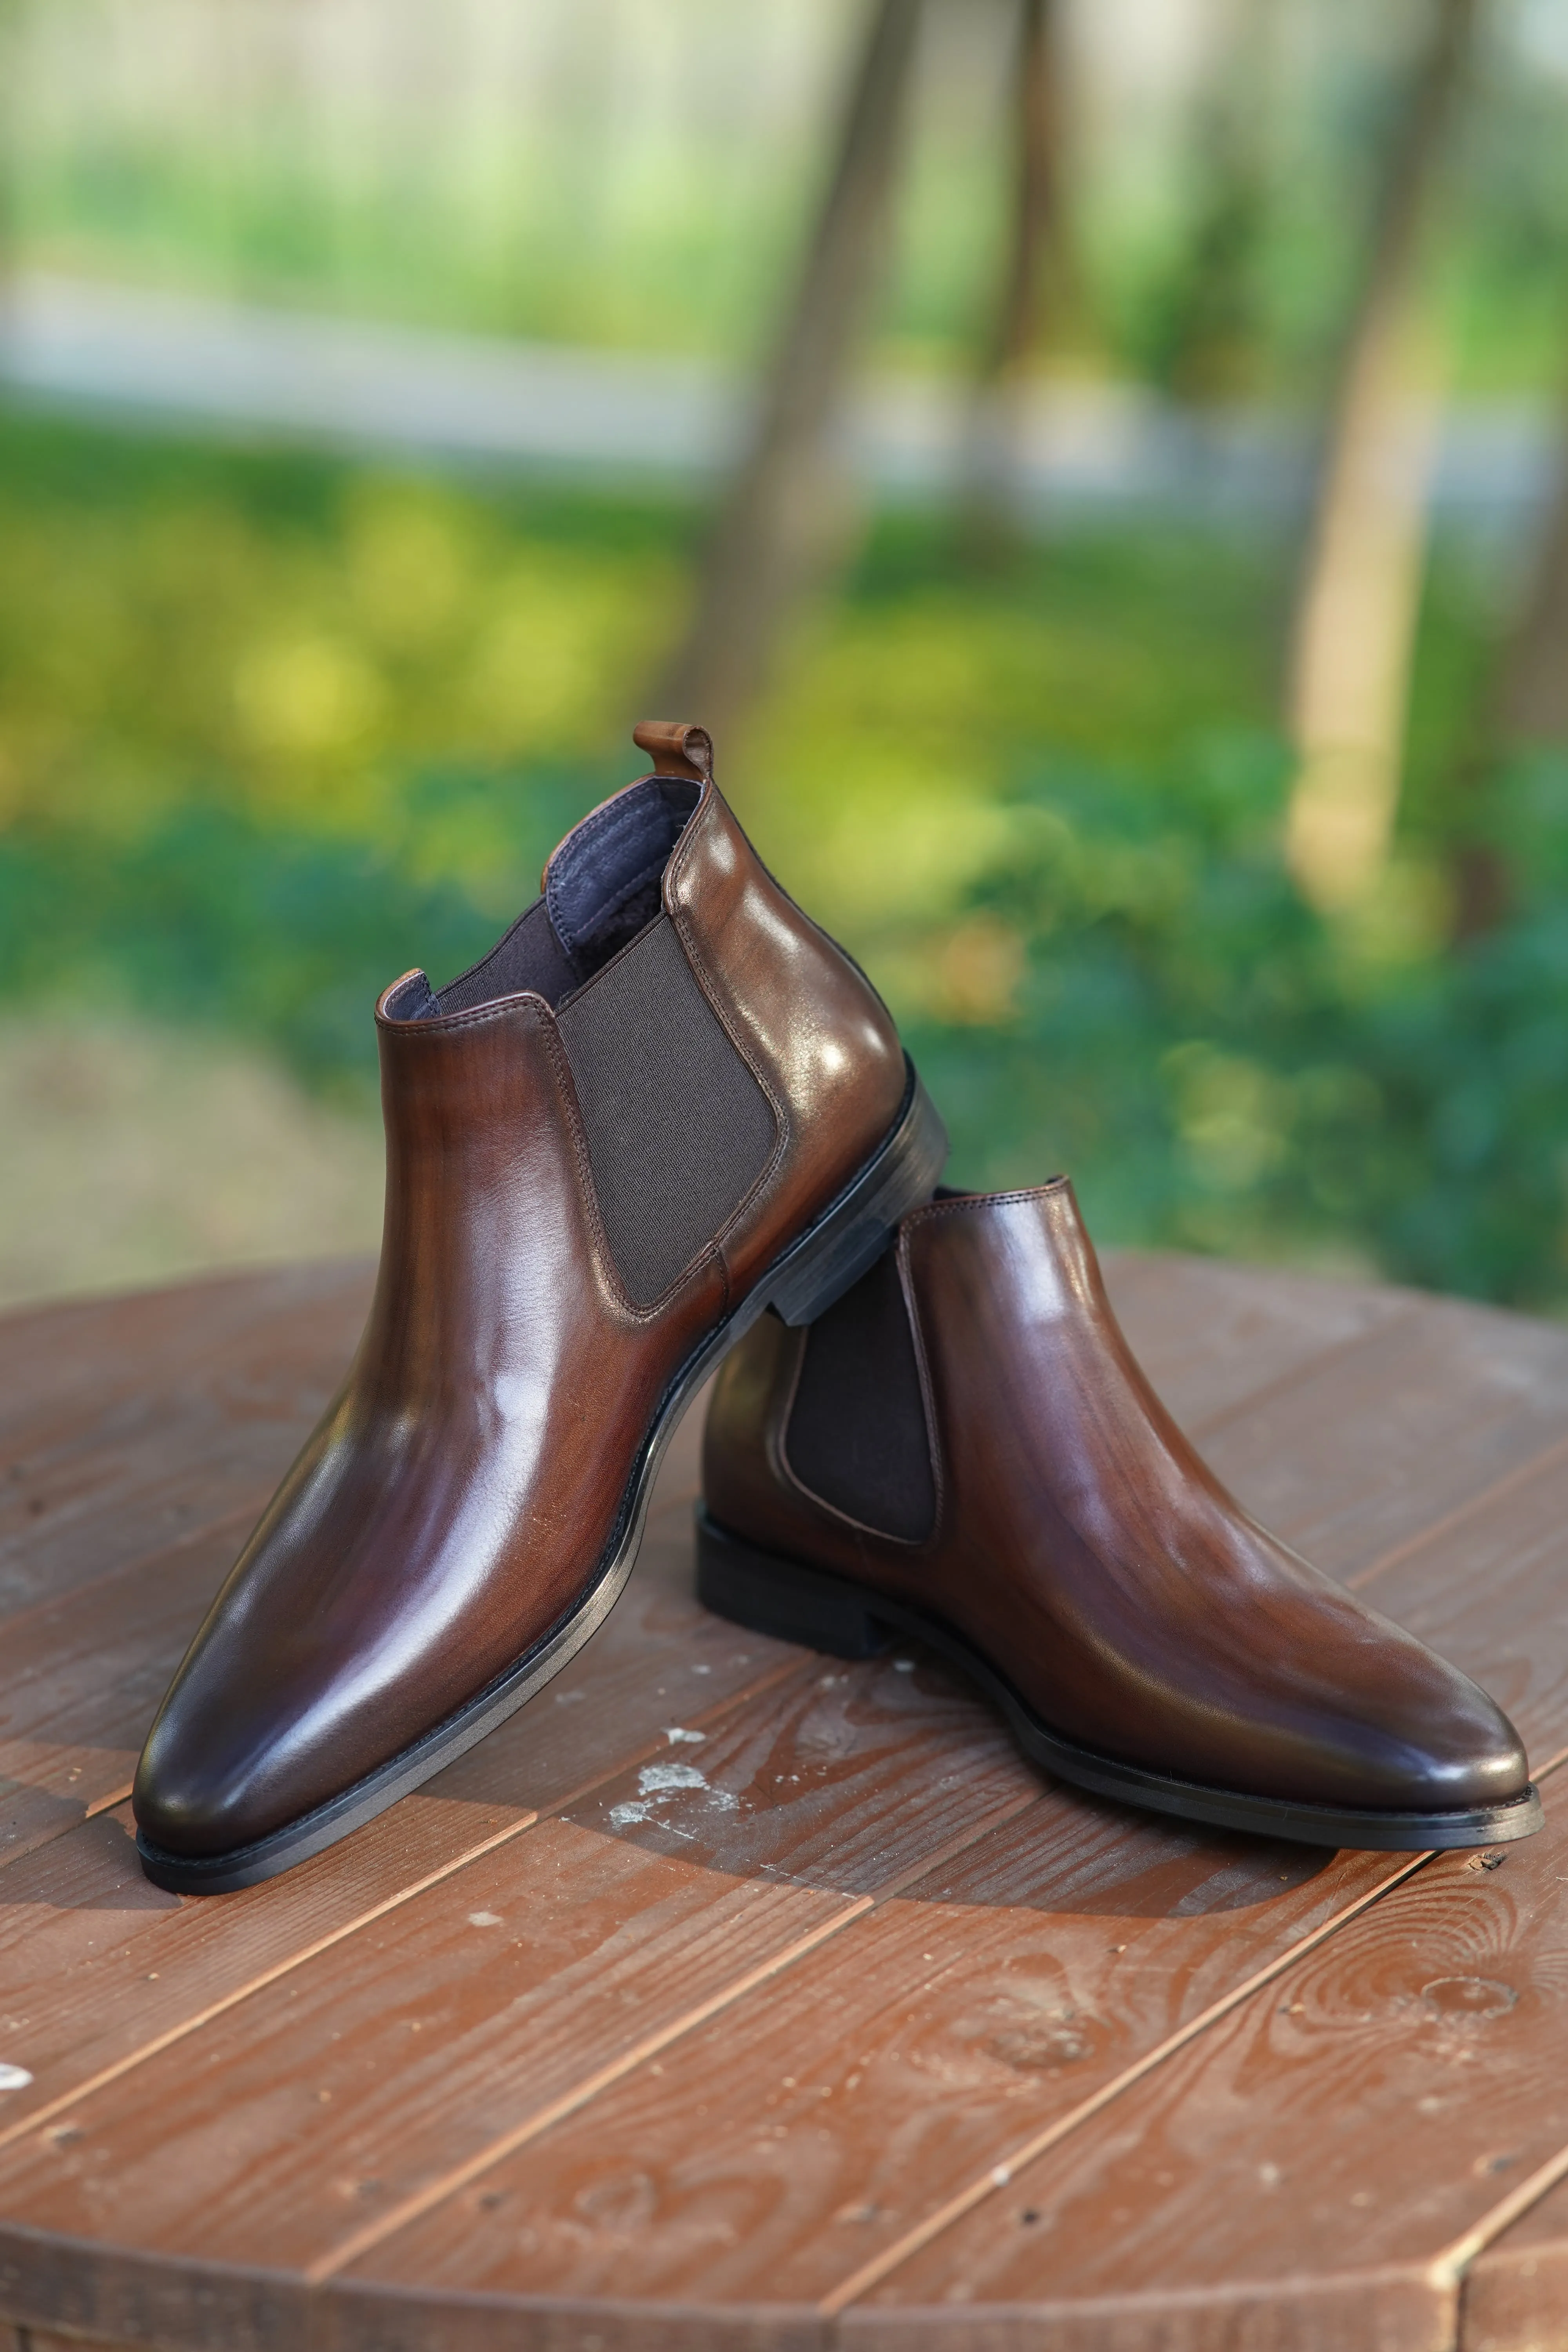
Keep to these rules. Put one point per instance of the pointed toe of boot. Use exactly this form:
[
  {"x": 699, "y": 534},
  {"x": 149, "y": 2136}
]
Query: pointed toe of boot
[
  {"x": 1461, "y": 1754},
  {"x": 196, "y": 1794},
  {"x": 234, "y": 1754}
]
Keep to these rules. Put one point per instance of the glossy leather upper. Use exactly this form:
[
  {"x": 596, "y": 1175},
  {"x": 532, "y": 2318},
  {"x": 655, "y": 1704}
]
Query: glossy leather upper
[
  {"x": 1082, "y": 1546},
  {"x": 462, "y": 1490}
]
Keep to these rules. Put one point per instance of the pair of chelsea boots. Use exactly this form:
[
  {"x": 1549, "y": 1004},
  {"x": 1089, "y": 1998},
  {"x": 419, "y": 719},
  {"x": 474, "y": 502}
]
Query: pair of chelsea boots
[{"x": 664, "y": 1105}]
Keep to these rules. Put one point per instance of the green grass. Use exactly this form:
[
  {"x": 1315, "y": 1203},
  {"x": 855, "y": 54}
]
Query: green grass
[{"x": 273, "y": 729}]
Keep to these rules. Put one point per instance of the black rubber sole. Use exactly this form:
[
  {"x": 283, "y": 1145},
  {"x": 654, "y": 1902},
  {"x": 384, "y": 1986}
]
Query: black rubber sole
[
  {"x": 770, "y": 1594},
  {"x": 817, "y": 1269}
]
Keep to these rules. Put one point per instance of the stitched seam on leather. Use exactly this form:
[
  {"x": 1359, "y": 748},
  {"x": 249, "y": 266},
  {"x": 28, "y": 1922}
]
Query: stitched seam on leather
[
  {"x": 928, "y": 1393},
  {"x": 476, "y": 1018},
  {"x": 971, "y": 1200},
  {"x": 800, "y": 1334},
  {"x": 679, "y": 856}
]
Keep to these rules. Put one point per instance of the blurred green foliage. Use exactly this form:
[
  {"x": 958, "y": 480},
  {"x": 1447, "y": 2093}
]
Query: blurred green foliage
[
  {"x": 274, "y": 728},
  {"x": 1221, "y": 1069},
  {"x": 492, "y": 171}
]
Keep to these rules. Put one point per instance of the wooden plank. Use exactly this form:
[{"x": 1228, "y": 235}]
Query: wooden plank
[
  {"x": 1351, "y": 2123},
  {"x": 1214, "y": 1338},
  {"x": 772, "y": 2155},
  {"x": 101, "y": 1346},
  {"x": 97, "y": 1965},
  {"x": 1485, "y": 1589},
  {"x": 1360, "y": 1453},
  {"x": 83, "y": 1360},
  {"x": 831, "y": 1786},
  {"x": 353, "y": 2083},
  {"x": 81, "y": 1684},
  {"x": 1515, "y": 2294},
  {"x": 139, "y": 1457},
  {"x": 628, "y": 1684},
  {"x": 647, "y": 2127}
]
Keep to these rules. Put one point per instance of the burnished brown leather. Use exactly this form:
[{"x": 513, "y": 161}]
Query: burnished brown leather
[
  {"x": 808, "y": 1023},
  {"x": 677, "y": 748},
  {"x": 1085, "y": 1550},
  {"x": 461, "y": 1492}
]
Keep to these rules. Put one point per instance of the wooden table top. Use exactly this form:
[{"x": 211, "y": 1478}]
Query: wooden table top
[{"x": 733, "y": 1997}]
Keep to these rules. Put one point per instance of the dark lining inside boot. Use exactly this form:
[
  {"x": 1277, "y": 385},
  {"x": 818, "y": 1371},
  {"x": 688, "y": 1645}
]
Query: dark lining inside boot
[
  {"x": 602, "y": 889},
  {"x": 601, "y": 886}
]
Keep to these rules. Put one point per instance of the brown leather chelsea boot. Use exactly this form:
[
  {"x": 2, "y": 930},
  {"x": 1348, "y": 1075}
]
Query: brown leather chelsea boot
[
  {"x": 964, "y": 1449},
  {"x": 664, "y": 1101}
]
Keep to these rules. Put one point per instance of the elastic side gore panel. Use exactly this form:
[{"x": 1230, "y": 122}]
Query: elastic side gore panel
[
  {"x": 856, "y": 1431},
  {"x": 528, "y": 957},
  {"x": 678, "y": 1129}
]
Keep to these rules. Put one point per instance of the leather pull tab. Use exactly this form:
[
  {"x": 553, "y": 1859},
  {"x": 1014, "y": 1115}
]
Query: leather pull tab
[{"x": 676, "y": 748}]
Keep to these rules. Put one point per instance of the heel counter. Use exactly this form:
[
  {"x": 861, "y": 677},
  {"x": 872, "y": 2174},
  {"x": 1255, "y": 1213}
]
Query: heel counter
[{"x": 822, "y": 1043}]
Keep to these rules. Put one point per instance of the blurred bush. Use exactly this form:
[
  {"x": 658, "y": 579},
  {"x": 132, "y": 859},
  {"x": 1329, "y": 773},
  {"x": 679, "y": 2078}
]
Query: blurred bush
[
  {"x": 275, "y": 728},
  {"x": 1221, "y": 1069}
]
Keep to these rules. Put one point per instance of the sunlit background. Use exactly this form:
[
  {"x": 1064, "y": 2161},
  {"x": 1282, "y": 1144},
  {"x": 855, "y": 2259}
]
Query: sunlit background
[{"x": 1097, "y": 464}]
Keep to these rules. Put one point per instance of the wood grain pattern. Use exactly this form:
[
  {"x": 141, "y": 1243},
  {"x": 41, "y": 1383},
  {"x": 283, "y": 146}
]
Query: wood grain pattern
[
  {"x": 347, "y": 2087},
  {"x": 275, "y": 2137},
  {"x": 1359, "y": 2118},
  {"x": 1362, "y": 1453},
  {"x": 1487, "y": 1624},
  {"x": 97, "y": 1965},
  {"x": 1515, "y": 2294},
  {"x": 815, "y": 2123},
  {"x": 703, "y": 2060}
]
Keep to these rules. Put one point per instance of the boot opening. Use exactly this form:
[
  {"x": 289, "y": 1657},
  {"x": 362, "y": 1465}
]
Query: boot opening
[{"x": 601, "y": 889}]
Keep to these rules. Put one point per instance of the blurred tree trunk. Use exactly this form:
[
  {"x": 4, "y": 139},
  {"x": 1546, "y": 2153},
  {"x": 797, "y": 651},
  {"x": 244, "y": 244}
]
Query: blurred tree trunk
[
  {"x": 1360, "y": 588},
  {"x": 1206, "y": 349},
  {"x": 786, "y": 513},
  {"x": 1034, "y": 281},
  {"x": 1529, "y": 705}
]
